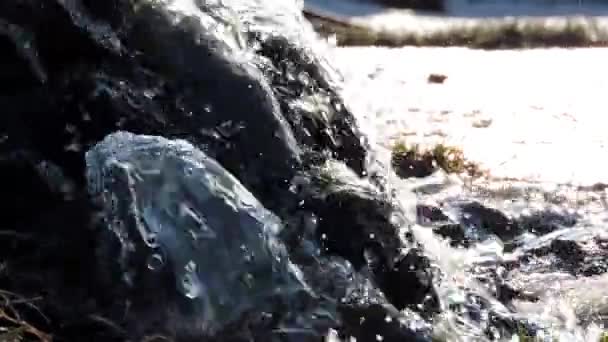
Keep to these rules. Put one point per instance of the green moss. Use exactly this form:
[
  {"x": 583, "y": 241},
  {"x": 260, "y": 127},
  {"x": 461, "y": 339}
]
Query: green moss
[
  {"x": 450, "y": 159},
  {"x": 413, "y": 161}
]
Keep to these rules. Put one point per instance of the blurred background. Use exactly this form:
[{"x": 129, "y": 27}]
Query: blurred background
[
  {"x": 473, "y": 7},
  {"x": 474, "y": 23}
]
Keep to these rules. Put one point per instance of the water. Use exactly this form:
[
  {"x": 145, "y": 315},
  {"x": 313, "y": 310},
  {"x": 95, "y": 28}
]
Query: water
[
  {"x": 194, "y": 219},
  {"x": 569, "y": 296}
]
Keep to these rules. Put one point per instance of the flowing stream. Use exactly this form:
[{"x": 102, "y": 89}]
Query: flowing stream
[
  {"x": 510, "y": 251},
  {"x": 542, "y": 228}
]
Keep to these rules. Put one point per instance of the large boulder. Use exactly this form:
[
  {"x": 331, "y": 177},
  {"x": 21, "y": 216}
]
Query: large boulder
[
  {"x": 363, "y": 225},
  {"x": 242, "y": 87},
  {"x": 177, "y": 214}
]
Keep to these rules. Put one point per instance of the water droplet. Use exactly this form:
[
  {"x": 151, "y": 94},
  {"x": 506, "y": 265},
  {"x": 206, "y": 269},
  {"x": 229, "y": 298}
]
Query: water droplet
[
  {"x": 190, "y": 266},
  {"x": 151, "y": 240},
  {"x": 189, "y": 217},
  {"x": 248, "y": 255},
  {"x": 155, "y": 262},
  {"x": 248, "y": 280},
  {"x": 191, "y": 285},
  {"x": 112, "y": 199},
  {"x": 127, "y": 277}
]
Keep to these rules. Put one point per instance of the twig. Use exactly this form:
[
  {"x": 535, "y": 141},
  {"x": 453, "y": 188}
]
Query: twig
[
  {"x": 11, "y": 298},
  {"x": 107, "y": 322},
  {"x": 26, "y": 327}
]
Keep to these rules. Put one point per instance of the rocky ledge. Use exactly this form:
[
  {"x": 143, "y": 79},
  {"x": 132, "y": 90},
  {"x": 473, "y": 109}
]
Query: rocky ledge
[{"x": 165, "y": 177}]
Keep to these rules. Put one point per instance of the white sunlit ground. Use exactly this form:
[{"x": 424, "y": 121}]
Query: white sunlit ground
[
  {"x": 539, "y": 115},
  {"x": 530, "y": 115}
]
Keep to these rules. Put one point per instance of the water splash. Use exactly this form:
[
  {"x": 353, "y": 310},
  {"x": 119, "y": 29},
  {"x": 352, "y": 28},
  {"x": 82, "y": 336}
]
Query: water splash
[{"x": 191, "y": 218}]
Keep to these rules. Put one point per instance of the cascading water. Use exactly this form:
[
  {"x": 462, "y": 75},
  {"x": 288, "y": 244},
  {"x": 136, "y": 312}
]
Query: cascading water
[
  {"x": 476, "y": 281},
  {"x": 313, "y": 207}
]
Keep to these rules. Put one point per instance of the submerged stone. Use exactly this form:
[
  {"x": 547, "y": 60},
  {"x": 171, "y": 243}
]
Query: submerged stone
[{"x": 174, "y": 208}]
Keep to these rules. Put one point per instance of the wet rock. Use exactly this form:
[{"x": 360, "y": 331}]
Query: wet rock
[
  {"x": 434, "y": 217},
  {"x": 583, "y": 256},
  {"x": 411, "y": 164},
  {"x": 22, "y": 165},
  {"x": 217, "y": 243},
  {"x": 489, "y": 220},
  {"x": 330, "y": 126},
  {"x": 74, "y": 72},
  {"x": 546, "y": 221},
  {"x": 429, "y": 214},
  {"x": 455, "y": 233},
  {"x": 413, "y": 272},
  {"x": 562, "y": 254},
  {"x": 102, "y": 72},
  {"x": 364, "y": 227},
  {"x": 47, "y": 247},
  {"x": 473, "y": 222},
  {"x": 566, "y": 250},
  {"x": 375, "y": 322}
]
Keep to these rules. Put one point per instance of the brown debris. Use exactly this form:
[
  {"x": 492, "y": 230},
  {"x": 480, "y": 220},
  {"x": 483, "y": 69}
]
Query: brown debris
[{"x": 436, "y": 78}]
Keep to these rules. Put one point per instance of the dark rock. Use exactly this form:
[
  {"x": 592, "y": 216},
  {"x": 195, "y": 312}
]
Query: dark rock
[
  {"x": 456, "y": 233},
  {"x": 489, "y": 220},
  {"x": 428, "y": 214},
  {"x": 341, "y": 134},
  {"x": 219, "y": 246},
  {"x": 50, "y": 253},
  {"x": 103, "y": 72},
  {"x": 410, "y": 283},
  {"x": 73, "y": 72},
  {"x": 364, "y": 227},
  {"x": 442, "y": 225},
  {"x": 473, "y": 222},
  {"x": 413, "y": 165},
  {"x": 584, "y": 256},
  {"x": 546, "y": 221},
  {"x": 375, "y": 322},
  {"x": 566, "y": 254}
]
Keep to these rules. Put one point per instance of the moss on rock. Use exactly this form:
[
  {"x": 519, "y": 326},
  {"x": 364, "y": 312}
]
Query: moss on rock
[{"x": 413, "y": 161}]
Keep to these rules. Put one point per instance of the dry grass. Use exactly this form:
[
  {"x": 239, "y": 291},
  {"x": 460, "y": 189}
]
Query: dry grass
[{"x": 13, "y": 328}]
